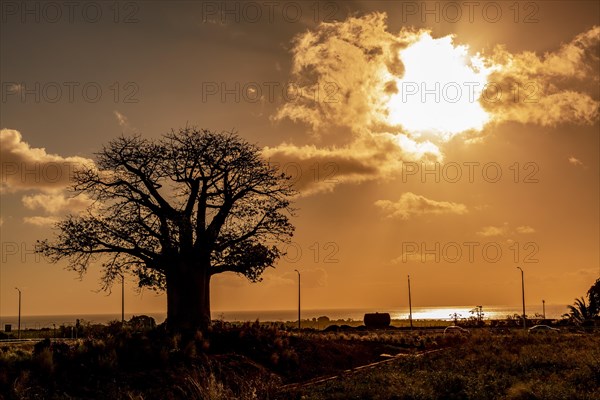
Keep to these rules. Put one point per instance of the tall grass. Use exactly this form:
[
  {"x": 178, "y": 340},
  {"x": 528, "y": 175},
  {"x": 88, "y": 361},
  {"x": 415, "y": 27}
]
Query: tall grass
[
  {"x": 252, "y": 361},
  {"x": 486, "y": 367}
]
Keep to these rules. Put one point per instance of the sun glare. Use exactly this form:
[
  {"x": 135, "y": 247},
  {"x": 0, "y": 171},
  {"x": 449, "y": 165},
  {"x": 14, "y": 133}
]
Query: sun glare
[{"x": 440, "y": 90}]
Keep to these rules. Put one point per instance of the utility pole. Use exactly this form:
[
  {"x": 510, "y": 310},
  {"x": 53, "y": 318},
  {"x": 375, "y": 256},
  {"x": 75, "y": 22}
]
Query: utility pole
[
  {"x": 299, "y": 320},
  {"x": 410, "y": 305},
  {"x": 19, "y": 323},
  {"x": 523, "y": 295}
]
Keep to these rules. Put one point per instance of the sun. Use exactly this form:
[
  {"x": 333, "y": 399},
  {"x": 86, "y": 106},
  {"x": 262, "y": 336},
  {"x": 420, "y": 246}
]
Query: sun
[{"x": 440, "y": 90}]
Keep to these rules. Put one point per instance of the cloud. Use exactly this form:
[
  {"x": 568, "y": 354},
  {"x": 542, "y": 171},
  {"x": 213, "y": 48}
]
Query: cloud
[
  {"x": 351, "y": 74},
  {"x": 549, "y": 89},
  {"x": 344, "y": 75},
  {"x": 123, "y": 122},
  {"x": 347, "y": 77},
  {"x": 314, "y": 170},
  {"x": 25, "y": 168},
  {"x": 348, "y": 71},
  {"x": 55, "y": 203},
  {"x": 343, "y": 72},
  {"x": 489, "y": 231},
  {"x": 41, "y": 221},
  {"x": 525, "y": 229},
  {"x": 433, "y": 96},
  {"x": 28, "y": 168},
  {"x": 504, "y": 230},
  {"x": 411, "y": 204},
  {"x": 121, "y": 119},
  {"x": 370, "y": 157},
  {"x": 575, "y": 161}
]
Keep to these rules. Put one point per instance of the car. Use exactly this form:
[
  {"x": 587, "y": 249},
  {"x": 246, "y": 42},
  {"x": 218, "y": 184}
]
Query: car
[
  {"x": 542, "y": 328},
  {"x": 456, "y": 330}
]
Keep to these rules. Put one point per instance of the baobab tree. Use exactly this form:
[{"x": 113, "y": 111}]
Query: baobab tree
[{"x": 175, "y": 211}]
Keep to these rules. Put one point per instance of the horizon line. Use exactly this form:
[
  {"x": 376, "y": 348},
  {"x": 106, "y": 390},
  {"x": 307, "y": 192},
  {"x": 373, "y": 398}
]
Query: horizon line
[{"x": 383, "y": 309}]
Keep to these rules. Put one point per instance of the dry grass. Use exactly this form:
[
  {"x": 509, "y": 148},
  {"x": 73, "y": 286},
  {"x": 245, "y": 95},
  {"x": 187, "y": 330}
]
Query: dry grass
[
  {"x": 516, "y": 366},
  {"x": 251, "y": 361}
]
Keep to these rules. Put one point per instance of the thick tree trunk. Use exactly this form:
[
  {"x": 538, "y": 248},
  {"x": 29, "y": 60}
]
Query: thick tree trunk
[{"x": 188, "y": 297}]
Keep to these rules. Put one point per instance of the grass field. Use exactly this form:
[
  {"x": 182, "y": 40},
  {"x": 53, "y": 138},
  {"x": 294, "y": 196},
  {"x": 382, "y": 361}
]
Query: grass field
[
  {"x": 253, "y": 361},
  {"x": 514, "y": 366}
]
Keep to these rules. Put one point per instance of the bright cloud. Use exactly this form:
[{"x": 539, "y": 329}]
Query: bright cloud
[
  {"x": 411, "y": 204},
  {"x": 489, "y": 231},
  {"x": 121, "y": 119},
  {"x": 124, "y": 123},
  {"x": 355, "y": 76},
  {"x": 549, "y": 89},
  {"x": 440, "y": 87},
  {"x": 28, "y": 168},
  {"x": 369, "y": 157},
  {"x": 55, "y": 203},
  {"x": 41, "y": 220},
  {"x": 343, "y": 72},
  {"x": 575, "y": 161},
  {"x": 525, "y": 229},
  {"x": 350, "y": 66},
  {"x": 504, "y": 230},
  {"x": 370, "y": 78}
]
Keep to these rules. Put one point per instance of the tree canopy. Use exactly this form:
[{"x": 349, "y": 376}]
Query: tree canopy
[{"x": 193, "y": 202}]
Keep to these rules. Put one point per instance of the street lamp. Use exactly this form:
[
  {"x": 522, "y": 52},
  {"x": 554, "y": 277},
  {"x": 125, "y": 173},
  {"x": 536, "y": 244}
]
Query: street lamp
[
  {"x": 19, "y": 323},
  {"x": 523, "y": 295},
  {"x": 410, "y": 304},
  {"x": 299, "y": 323},
  {"x": 544, "y": 309},
  {"x": 122, "y": 299}
]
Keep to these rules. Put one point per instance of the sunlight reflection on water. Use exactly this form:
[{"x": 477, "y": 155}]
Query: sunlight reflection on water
[{"x": 419, "y": 313}]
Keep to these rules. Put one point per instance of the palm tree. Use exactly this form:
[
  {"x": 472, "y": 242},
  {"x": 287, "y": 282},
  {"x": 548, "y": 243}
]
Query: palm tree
[
  {"x": 594, "y": 298},
  {"x": 581, "y": 313}
]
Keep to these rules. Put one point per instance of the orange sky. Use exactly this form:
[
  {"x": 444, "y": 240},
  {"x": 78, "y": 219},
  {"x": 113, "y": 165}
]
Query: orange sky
[{"x": 345, "y": 100}]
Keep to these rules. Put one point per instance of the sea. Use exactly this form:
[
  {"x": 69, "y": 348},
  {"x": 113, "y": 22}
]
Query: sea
[{"x": 418, "y": 313}]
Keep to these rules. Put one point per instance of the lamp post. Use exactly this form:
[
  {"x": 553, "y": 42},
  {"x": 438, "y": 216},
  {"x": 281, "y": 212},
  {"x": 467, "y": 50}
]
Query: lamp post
[
  {"x": 299, "y": 320},
  {"x": 544, "y": 309},
  {"x": 122, "y": 299},
  {"x": 409, "y": 305},
  {"x": 19, "y": 323},
  {"x": 523, "y": 295}
]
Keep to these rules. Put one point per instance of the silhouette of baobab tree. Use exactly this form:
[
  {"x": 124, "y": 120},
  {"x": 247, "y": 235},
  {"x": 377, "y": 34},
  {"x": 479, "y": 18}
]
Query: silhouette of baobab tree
[{"x": 174, "y": 212}]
